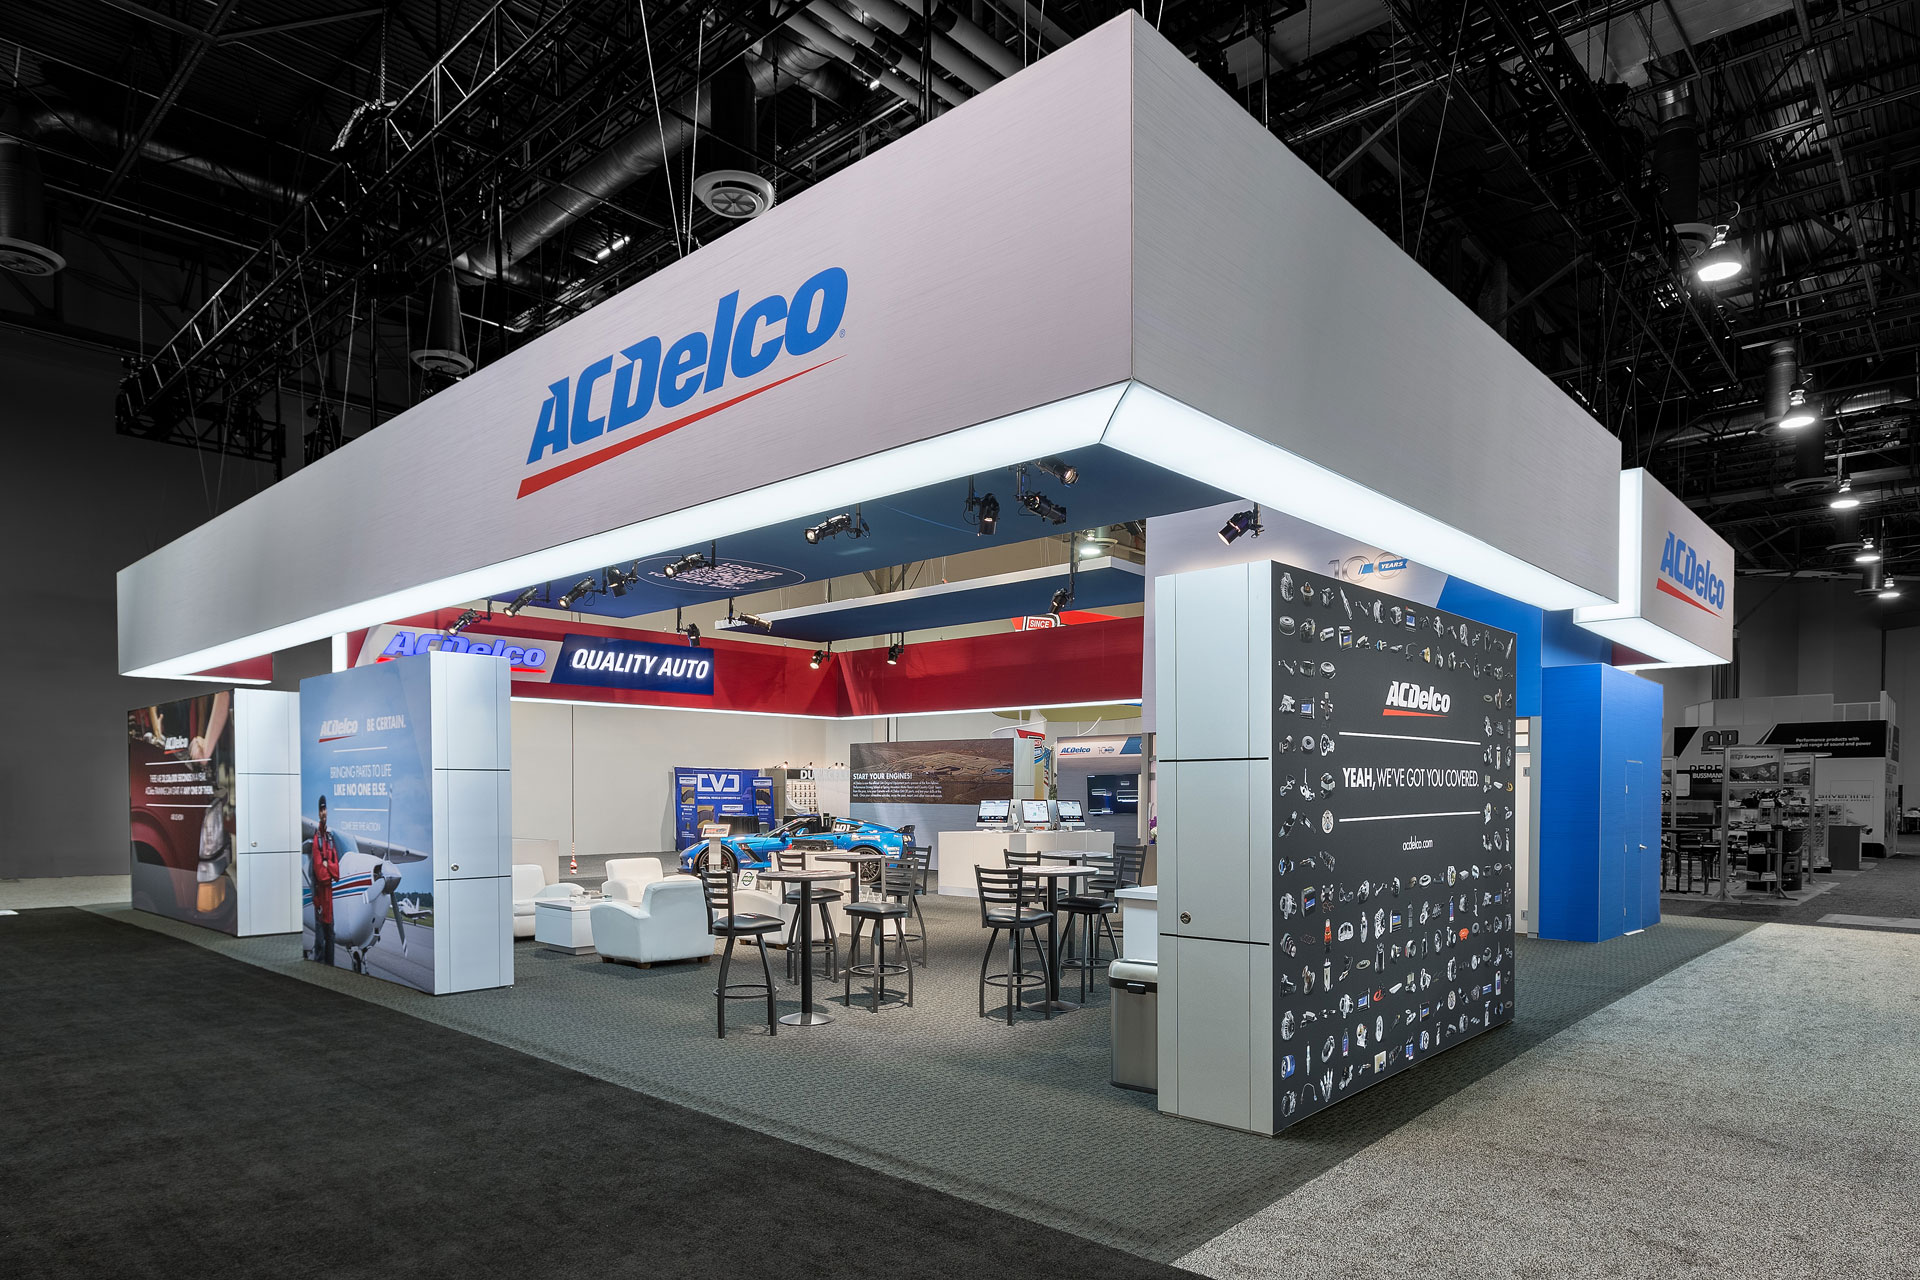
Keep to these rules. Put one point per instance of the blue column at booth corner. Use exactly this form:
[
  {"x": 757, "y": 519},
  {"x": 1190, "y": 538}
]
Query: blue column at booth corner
[{"x": 1599, "y": 761}]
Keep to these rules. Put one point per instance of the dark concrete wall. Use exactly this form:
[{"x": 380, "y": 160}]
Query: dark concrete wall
[{"x": 81, "y": 503}]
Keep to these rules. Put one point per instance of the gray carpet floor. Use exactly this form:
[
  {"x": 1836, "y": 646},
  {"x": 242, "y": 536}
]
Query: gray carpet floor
[
  {"x": 1021, "y": 1118},
  {"x": 1748, "y": 1115},
  {"x": 1886, "y": 887}
]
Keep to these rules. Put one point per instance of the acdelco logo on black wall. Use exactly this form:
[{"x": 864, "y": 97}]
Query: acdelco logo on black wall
[{"x": 1405, "y": 698}]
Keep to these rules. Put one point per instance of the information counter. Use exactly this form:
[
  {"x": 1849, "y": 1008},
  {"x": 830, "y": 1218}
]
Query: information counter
[{"x": 959, "y": 852}]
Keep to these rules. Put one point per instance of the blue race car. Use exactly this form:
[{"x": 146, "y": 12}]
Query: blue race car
[{"x": 815, "y": 833}]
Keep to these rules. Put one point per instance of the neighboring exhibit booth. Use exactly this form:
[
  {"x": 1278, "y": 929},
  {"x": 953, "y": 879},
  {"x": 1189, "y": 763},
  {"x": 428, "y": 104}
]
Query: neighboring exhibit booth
[
  {"x": 408, "y": 765},
  {"x": 213, "y": 810},
  {"x": 1139, "y": 285}
]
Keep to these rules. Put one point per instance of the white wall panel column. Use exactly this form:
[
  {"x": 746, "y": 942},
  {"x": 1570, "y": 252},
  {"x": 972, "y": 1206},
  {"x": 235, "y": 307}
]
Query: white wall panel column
[{"x": 266, "y": 753}]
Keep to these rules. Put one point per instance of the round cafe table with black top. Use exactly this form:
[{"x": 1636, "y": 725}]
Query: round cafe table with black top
[
  {"x": 1053, "y": 876},
  {"x": 806, "y": 880},
  {"x": 854, "y": 862}
]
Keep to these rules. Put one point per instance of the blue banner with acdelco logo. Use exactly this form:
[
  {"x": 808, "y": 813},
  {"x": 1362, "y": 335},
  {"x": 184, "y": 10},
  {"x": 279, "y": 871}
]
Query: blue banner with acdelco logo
[{"x": 607, "y": 663}]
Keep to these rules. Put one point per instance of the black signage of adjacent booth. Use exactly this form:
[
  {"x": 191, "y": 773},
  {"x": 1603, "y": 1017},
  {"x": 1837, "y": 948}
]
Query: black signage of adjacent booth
[{"x": 1393, "y": 846}]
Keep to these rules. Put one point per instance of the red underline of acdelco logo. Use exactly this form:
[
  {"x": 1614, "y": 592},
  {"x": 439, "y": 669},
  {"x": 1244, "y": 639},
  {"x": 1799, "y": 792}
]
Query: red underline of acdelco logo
[
  {"x": 554, "y": 475},
  {"x": 1395, "y": 711},
  {"x": 1678, "y": 594}
]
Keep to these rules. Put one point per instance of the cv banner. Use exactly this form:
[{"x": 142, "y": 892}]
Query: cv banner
[
  {"x": 707, "y": 794},
  {"x": 1393, "y": 835},
  {"x": 366, "y": 817},
  {"x": 953, "y": 771},
  {"x": 609, "y": 663},
  {"x": 180, "y": 785}
]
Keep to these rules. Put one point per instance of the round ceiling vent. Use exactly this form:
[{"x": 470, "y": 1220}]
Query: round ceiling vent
[
  {"x": 1807, "y": 484},
  {"x": 24, "y": 258},
  {"x": 454, "y": 364},
  {"x": 734, "y": 193}
]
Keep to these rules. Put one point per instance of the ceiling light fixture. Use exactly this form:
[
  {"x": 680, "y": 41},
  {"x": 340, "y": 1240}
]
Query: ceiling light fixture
[
  {"x": 819, "y": 657},
  {"x": 1799, "y": 413},
  {"x": 754, "y": 622},
  {"x": 894, "y": 651},
  {"x": 1721, "y": 261},
  {"x": 1060, "y": 469},
  {"x": 1889, "y": 590},
  {"x": 1044, "y": 507},
  {"x": 1868, "y": 553},
  {"x": 462, "y": 622},
  {"x": 982, "y": 512},
  {"x": 1844, "y": 500},
  {"x": 850, "y": 523},
  {"x": 521, "y": 601},
  {"x": 1241, "y": 523},
  {"x": 617, "y": 580},
  {"x": 687, "y": 564},
  {"x": 692, "y": 633},
  {"x": 582, "y": 588}
]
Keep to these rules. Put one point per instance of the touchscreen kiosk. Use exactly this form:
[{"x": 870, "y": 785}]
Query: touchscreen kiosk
[
  {"x": 1034, "y": 813},
  {"x": 994, "y": 813},
  {"x": 1070, "y": 811}
]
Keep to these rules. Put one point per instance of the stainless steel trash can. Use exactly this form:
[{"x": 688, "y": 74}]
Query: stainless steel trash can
[{"x": 1134, "y": 991}]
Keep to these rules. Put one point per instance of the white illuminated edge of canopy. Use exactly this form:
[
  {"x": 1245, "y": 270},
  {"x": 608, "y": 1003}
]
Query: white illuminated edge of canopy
[
  {"x": 1127, "y": 416},
  {"x": 807, "y": 715},
  {"x": 1620, "y": 621}
]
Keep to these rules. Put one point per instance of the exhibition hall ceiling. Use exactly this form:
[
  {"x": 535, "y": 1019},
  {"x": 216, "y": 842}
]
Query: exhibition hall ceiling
[{"x": 274, "y": 208}]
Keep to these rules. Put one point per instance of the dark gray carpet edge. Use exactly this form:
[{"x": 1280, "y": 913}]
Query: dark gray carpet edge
[
  {"x": 1559, "y": 983},
  {"x": 165, "y": 1113}
]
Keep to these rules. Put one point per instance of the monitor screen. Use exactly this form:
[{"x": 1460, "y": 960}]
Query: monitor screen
[
  {"x": 1070, "y": 811},
  {"x": 995, "y": 811},
  {"x": 1035, "y": 813}
]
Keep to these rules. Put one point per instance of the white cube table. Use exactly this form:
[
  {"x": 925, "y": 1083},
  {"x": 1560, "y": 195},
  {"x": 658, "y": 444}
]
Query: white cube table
[{"x": 562, "y": 924}]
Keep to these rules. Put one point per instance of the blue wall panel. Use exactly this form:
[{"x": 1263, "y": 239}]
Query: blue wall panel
[{"x": 1599, "y": 759}]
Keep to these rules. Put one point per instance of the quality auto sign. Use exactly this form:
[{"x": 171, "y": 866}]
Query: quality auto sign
[
  {"x": 593, "y": 416},
  {"x": 1687, "y": 575}
]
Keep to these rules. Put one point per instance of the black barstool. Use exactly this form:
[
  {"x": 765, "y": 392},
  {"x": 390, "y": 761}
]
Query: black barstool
[
  {"x": 1097, "y": 907},
  {"x": 827, "y": 940},
  {"x": 725, "y": 921},
  {"x": 879, "y": 912},
  {"x": 1003, "y": 906},
  {"x": 903, "y": 881}
]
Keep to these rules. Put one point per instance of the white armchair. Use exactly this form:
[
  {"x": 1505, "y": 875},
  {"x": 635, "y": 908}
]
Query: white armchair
[
  {"x": 669, "y": 922},
  {"x": 529, "y": 886},
  {"x": 628, "y": 878}
]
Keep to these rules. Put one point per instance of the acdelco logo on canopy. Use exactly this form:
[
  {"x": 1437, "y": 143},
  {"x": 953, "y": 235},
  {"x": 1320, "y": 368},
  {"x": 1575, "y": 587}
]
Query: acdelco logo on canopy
[
  {"x": 1405, "y": 698},
  {"x": 1692, "y": 577},
  {"x": 743, "y": 342}
]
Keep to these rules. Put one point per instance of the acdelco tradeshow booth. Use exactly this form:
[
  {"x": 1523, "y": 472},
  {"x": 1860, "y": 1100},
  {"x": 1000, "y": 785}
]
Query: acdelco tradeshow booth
[{"x": 1374, "y": 718}]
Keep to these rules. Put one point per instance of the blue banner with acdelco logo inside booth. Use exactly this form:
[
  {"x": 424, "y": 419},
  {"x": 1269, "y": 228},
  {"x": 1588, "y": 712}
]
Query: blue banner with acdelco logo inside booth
[{"x": 706, "y": 794}]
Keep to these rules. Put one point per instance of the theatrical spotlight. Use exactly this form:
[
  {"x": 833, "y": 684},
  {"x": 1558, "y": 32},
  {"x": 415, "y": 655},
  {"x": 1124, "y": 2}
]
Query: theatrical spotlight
[
  {"x": 521, "y": 601},
  {"x": 1060, "y": 469},
  {"x": 819, "y": 656},
  {"x": 618, "y": 580},
  {"x": 692, "y": 633},
  {"x": 1061, "y": 599},
  {"x": 686, "y": 564},
  {"x": 584, "y": 587},
  {"x": 850, "y": 524},
  {"x": 982, "y": 512},
  {"x": 1240, "y": 523},
  {"x": 893, "y": 653},
  {"x": 1044, "y": 507},
  {"x": 462, "y": 622},
  {"x": 754, "y": 622}
]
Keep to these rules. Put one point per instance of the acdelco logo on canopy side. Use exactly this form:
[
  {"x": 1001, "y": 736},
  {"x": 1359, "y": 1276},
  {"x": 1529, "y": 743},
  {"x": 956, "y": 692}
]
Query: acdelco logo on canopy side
[
  {"x": 1693, "y": 578},
  {"x": 741, "y": 342}
]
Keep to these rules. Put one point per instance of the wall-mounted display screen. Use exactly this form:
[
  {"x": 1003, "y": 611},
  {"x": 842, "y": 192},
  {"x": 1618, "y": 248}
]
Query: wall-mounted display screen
[
  {"x": 1070, "y": 811},
  {"x": 995, "y": 811},
  {"x": 1035, "y": 813}
]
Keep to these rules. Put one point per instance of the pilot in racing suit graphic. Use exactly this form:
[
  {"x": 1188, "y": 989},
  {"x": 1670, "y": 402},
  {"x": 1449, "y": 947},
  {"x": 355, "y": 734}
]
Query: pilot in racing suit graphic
[{"x": 326, "y": 869}]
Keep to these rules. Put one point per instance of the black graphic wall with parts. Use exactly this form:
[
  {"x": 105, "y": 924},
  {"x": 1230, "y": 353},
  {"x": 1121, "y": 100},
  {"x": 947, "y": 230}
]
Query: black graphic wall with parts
[{"x": 1393, "y": 842}]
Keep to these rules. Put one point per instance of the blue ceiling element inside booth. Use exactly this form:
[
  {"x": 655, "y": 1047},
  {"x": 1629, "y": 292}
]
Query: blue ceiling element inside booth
[
  {"x": 1100, "y": 583},
  {"x": 923, "y": 524}
]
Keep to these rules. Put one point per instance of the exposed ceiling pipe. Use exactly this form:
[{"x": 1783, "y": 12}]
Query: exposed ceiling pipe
[
  {"x": 633, "y": 155},
  {"x": 950, "y": 53},
  {"x": 1783, "y": 375},
  {"x": 814, "y": 33},
  {"x": 990, "y": 53},
  {"x": 97, "y": 131},
  {"x": 851, "y": 28},
  {"x": 1676, "y": 153},
  {"x": 24, "y": 247}
]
